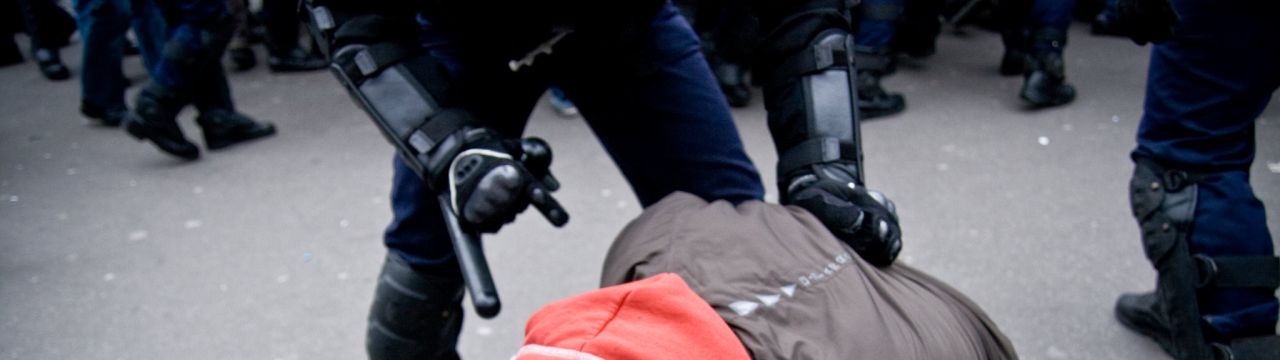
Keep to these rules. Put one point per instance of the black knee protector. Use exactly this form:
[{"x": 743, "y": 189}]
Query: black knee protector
[
  {"x": 1164, "y": 203},
  {"x": 1164, "y": 206},
  {"x": 414, "y": 315}
]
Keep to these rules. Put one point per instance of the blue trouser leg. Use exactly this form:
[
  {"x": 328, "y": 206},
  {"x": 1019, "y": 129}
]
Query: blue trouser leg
[
  {"x": 151, "y": 31},
  {"x": 102, "y": 25},
  {"x": 877, "y": 22},
  {"x": 1051, "y": 13},
  {"x": 198, "y": 34},
  {"x": 668, "y": 129},
  {"x": 1205, "y": 88},
  {"x": 1052, "y": 17}
]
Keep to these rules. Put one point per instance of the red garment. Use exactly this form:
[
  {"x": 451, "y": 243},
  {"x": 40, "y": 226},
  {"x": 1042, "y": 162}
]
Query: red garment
[{"x": 659, "y": 317}]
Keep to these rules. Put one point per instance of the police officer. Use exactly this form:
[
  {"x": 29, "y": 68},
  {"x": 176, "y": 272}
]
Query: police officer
[
  {"x": 1035, "y": 34},
  {"x": 451, "y": 85},
  {"x": 189, "y": 72},
  {"x": 1212, "y": 72}
]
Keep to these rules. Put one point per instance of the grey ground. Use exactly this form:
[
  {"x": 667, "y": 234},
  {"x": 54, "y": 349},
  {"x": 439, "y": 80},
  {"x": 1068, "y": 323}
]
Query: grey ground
[{"x": 110, "y": 250}]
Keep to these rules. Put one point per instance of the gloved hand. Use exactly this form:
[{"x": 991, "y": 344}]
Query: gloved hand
[
  {"x": 492, "y": 180},
  {"x": 1146, "y": 20},
  {"x": 865, "y": 219}
]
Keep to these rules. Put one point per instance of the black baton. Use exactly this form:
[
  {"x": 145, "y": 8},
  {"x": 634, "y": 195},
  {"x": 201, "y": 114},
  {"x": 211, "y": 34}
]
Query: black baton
[{"x": 475, "y": 268}]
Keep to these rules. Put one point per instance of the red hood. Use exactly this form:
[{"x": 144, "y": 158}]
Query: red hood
[{"x": 656, "y": 318}]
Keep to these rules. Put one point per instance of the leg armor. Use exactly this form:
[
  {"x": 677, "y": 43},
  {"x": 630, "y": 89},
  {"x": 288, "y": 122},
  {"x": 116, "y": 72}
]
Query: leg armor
[
  {"x": 414, "y": 315},
  {"x": 1164, "y": 203}
]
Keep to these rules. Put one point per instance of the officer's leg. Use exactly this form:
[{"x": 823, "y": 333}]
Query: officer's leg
[
  {"x": 1011, "y": 17},
  {"x": 198, "y": 36},
  {"x": 666, "y": 124},
  {"x": 417, "y": 306},
  {"x": 151, "y": 31},
  {"x": 43, "y": 21},
  {"x": 220, "y": 123},
  {"x": 1203, "y": 228},
  {"x": 1045, "y": 76},
  {"x": 102, "y": 24},
  {"x": 877, "y": 22},
  {"x": 917, "y": 36},
  {"x": 416, "y": 311}
]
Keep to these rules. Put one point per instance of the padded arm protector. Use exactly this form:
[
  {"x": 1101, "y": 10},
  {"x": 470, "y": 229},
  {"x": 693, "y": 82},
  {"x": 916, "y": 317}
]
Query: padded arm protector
[
  {"x": 409, "y": 96},
  {"x": 407, "y": 93},
  {"x": 807, "y": 64}
]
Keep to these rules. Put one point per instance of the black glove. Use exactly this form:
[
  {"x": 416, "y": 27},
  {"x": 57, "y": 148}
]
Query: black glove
[
  {"x": 1146, "y": 20},
  {"x": 493, "y": 179},
  {"x": 864, "y": 219}
]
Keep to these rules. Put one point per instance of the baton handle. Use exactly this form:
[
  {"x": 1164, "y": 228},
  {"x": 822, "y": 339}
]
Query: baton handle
[{"x": 475, "y": 268}]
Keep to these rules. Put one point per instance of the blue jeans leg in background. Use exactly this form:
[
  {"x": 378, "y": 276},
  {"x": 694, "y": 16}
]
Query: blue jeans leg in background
[{"x": 102, "y": 25}]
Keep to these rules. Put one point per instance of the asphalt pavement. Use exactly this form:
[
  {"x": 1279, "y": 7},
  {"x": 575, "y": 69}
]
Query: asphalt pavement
[{"x": 269, "y": 250}]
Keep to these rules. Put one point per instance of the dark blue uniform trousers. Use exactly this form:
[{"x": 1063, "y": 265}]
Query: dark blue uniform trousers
[
  {"x": 190, "y": 61},
  {"x": 1205, "y": 88},
  {"x": 662, "y": 119}
]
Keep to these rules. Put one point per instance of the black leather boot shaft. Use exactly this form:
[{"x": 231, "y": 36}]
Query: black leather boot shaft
[
  {"x": 1045, "y": 82},
  {"x": 415, "y": 315}
]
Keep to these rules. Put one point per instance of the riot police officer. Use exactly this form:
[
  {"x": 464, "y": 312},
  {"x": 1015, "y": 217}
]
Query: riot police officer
[{"x": 451, "y": 84}]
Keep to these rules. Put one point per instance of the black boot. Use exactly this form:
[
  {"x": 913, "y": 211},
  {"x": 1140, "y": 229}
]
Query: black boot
[
  {"x": 415, "y": 314},
  {"x": 873, "y": 100},
  {"x": 222, "y": 125},
  {"x": 223, "y": 128},
  {"x": 1045, "y": 82},
  {"x": 294, "y": 59},
  {"x": 157, "y": 112},
  {"x": 1139, "y": 313},
  {"x": 50, "y": 64}
]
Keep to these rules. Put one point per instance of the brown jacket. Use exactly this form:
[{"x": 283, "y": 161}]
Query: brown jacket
[{"x": 790, "y": 290}]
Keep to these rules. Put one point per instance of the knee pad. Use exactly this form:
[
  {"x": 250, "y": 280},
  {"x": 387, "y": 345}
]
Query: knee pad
[{"x": 1164, "y": 203}]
